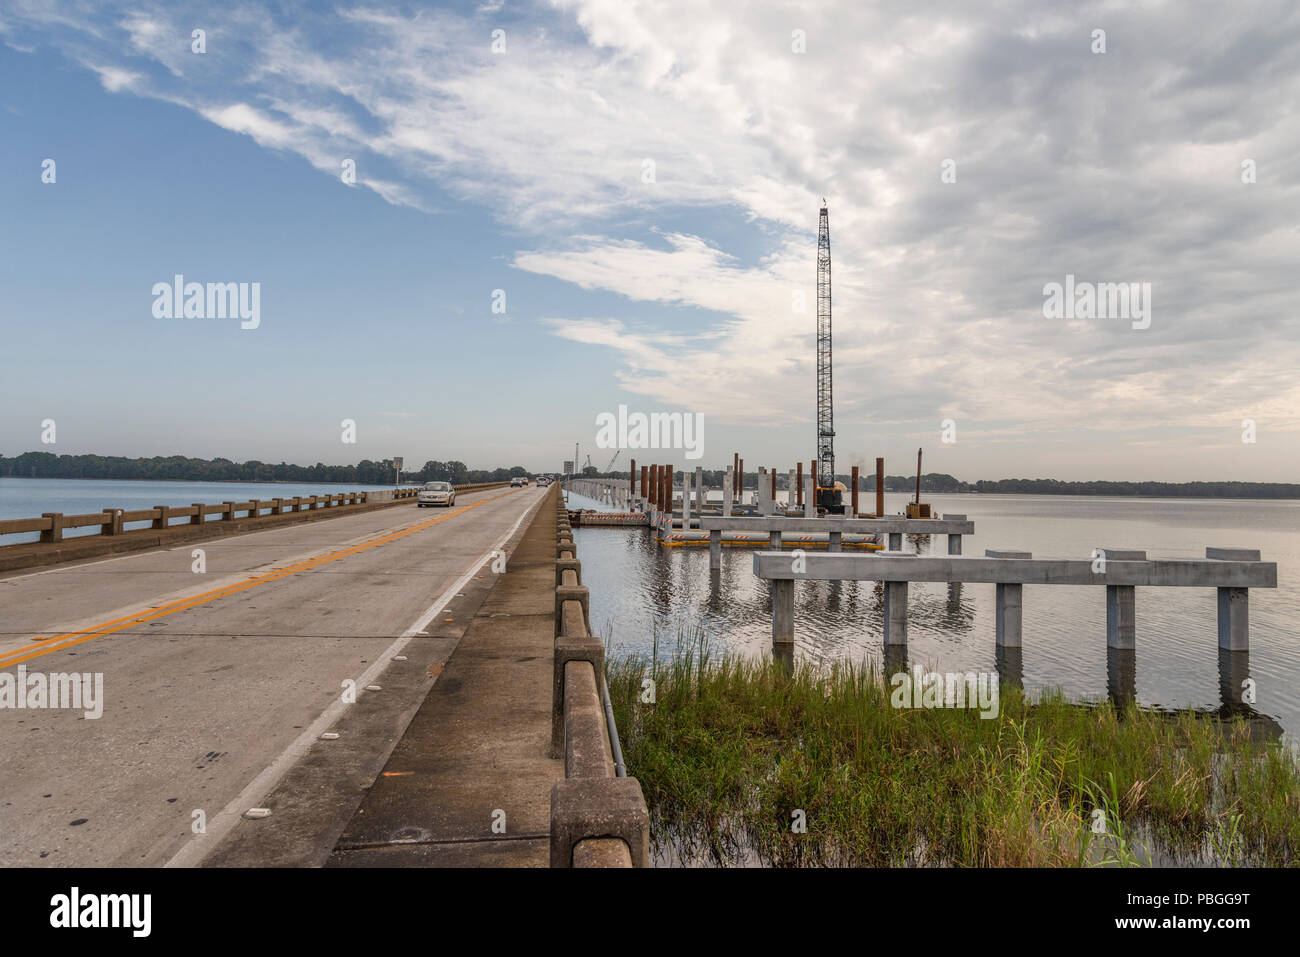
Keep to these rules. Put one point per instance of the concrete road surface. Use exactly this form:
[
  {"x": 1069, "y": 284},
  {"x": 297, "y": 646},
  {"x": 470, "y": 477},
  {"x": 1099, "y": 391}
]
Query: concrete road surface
[{"x": 217, "y": 683}]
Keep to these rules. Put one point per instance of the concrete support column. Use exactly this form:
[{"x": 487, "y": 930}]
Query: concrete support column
[
  {"x": 895, "y": 613},
  {"x": 1009, "y": 613},
  {"x": 809, "y": 496},
  {"x": 728, "y": 490},
  {"x": 1121, "y": 617},
  {"x": 895, "y": 541},
  {"x": 762, "y": 491},
  {"x": 715, "y": 549},
  {"x": 699, "y": 491},
  {"x": 954, "y": 544},
  {"x": 791, "y": 491},
  {"x": 834, "y": 544},
  {"x": 1234, "y": 619},
  {"x": 782, "y": 611}
]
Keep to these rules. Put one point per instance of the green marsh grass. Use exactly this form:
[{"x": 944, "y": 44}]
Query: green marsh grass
[{"x": 731, "y": 747}]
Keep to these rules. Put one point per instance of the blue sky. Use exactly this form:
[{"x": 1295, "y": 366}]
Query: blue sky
[{"x": 522, "y": 170}]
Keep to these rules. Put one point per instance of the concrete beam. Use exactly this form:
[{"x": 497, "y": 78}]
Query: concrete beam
[
  {"x": 885, "y": 566},
  {"x": 841, "y": 523}
]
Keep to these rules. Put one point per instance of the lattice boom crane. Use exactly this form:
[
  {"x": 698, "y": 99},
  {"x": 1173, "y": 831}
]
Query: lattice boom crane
[{"x": 828, "y": 497}]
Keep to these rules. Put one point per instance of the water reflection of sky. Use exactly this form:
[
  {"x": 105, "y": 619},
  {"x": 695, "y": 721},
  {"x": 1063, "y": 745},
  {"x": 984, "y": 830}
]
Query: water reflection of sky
[{"x": 639, "y": 589}]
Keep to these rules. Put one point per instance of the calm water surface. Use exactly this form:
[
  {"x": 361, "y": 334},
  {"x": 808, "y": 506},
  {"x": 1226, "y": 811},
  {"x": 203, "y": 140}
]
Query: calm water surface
[{"x": 639, "y": 589}]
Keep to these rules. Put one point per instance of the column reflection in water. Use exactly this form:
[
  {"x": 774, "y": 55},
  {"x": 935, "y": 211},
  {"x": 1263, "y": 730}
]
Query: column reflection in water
[
  {"x": 1121, "y": 675},
  {"x": 1236, "y": 690},
  {"x": 1010, "y": 666}
]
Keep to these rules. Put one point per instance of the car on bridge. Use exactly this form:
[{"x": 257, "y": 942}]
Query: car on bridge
[
  {"x": 519, "y": 482},
  {"x": 436, "y": 493}
]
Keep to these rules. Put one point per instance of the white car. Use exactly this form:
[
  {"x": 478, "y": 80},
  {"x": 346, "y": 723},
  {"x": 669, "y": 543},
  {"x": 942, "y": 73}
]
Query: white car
[{"x": 436, "y": 493}]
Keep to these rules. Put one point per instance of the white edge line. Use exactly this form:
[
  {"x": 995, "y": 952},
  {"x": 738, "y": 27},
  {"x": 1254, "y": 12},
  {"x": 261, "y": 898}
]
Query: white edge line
[{"x": 198, "y": 847}]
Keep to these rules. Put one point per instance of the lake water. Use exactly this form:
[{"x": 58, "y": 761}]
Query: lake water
[
  {"x": 31, "y": 498},
  {"x": 639, "y": 589}
]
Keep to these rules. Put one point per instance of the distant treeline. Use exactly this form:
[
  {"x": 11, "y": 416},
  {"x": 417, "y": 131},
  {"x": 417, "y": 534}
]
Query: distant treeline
[
  {"x": 367, "y": 472},
  {"x": 942, "y": 482},
  {"x": 181, "y": 468}
]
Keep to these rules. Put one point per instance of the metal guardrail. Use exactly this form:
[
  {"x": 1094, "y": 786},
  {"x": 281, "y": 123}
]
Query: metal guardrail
[
  {"x": 112, "y": 521},
  {"x": 598, "y": 816}
]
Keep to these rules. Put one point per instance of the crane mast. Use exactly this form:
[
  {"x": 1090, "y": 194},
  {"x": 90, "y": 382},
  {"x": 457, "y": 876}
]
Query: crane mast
[{"x": 827, "y": 497}]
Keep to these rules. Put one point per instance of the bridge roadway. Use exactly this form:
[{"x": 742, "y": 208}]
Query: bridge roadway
[{"x": 218, "y": 685}]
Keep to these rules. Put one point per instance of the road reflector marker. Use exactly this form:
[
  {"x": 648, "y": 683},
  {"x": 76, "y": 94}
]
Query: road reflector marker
[
  {"x": 373, "y": 688},
  {"x": 255, "y": 812},
  {"x": 330, "y": 736},
  {"x": 399, "y": 657}
]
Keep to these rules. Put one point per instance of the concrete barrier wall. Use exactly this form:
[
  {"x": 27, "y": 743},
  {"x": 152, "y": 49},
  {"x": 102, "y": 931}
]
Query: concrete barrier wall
[{"x": 598, "y": 819}]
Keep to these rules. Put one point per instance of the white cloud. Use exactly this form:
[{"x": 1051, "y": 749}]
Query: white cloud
[{"x": 1123, "y": 167}]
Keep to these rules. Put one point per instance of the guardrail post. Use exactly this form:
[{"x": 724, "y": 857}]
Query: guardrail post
[
  {"x": 572, "y": 648},
  {"x": 576, "y": 593},
  {"x": 1121, "y": 630},
  {"x": 197, "y": 517},
  {"x": 160, "y": 520},
  {"x": 256, "y": 508},
  {"x": 563, "y": 565},
  {"x": 585, "y": 808},
  {"x": 114, "y": 524},
  {"x": 895, "y": 613},
  {"x": 227, "y": 511},
  {"x": 55, "y": 532},
  {"x": 277, "y": 506}
]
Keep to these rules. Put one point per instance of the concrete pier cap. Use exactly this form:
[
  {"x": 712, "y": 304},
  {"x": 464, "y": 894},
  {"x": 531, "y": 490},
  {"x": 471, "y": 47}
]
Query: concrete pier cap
[
  {"x": 1232, "y": 553},
  {"x": 1122, "y": 554}
]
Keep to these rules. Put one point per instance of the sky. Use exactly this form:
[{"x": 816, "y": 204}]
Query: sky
[{"x": 560, "y": 208}]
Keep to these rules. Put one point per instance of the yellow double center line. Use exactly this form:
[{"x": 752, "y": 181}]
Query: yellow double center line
[{"x": 59, "y": 642}]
